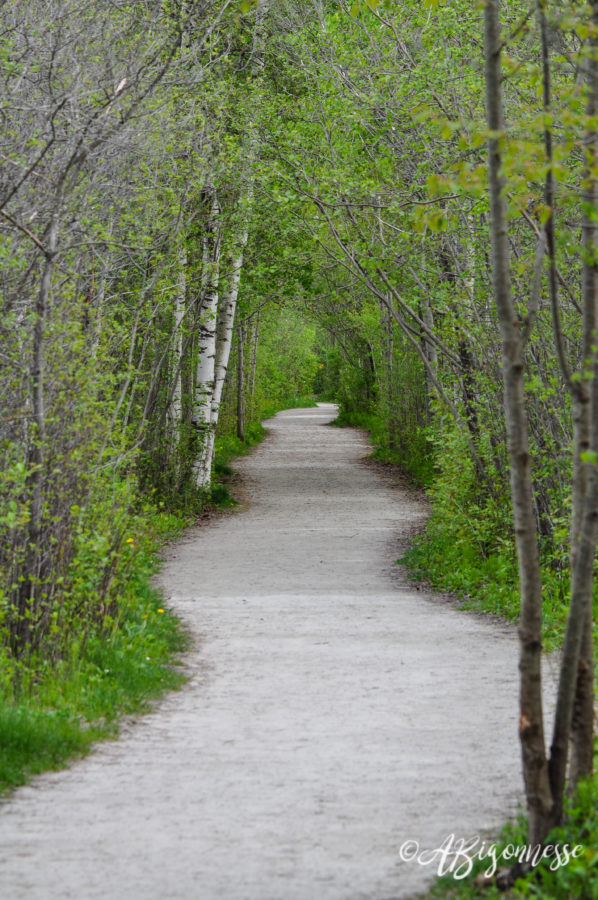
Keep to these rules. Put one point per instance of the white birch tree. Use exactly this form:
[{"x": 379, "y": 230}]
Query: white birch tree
[{"x": 216, "y": 332}]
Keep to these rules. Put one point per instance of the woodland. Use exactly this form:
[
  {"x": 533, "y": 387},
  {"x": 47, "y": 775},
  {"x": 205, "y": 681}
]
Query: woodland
[{"x": 214, "y": 209}]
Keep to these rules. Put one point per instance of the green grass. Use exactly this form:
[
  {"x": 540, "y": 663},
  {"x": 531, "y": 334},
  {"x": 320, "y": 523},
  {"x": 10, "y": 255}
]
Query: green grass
[
  {"x": 575, "y": 880},
  {"x": 485, "y": 582},
  {"x": 33, "y": 739},
  {"x": 53, "y": 710},
  {"x": 228, "y": 447},
  {"x": 66, "y": 707},
  {"x": 461, "y": 552}
]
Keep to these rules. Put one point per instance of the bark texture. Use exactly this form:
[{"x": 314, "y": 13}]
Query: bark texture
[{"x": 531, "y": 727}]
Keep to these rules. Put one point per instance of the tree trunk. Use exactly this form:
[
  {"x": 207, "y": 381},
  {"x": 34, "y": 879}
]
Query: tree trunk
[
  {"x": 35, "y": 454},
  {"x": 582, "y": 732},
  {"x": 240, "y": 384},
  {"x": 206, "y": 350},
  {"x": 224, "y": 337},
  {"x": 531, "y": 723},
  {"x": 216, "y": 363},
  {"x": 179, "y": 316}
]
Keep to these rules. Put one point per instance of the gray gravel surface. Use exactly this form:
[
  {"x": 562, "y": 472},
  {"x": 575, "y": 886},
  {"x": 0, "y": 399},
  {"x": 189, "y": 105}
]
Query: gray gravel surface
[{"x": 333, "y": 710}]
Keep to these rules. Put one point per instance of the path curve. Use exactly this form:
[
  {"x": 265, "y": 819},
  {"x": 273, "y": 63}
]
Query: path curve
[{"x": 333, "y": 711}]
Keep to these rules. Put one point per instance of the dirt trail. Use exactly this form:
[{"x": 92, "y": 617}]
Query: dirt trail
[{"x": 333, "y": 711}]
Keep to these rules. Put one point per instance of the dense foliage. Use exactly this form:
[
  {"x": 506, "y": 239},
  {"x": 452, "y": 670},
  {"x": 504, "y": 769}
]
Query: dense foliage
[{"x": 209, "y": 209}]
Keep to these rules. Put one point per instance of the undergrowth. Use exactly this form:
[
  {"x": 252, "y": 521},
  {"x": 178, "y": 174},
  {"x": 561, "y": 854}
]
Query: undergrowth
[
  {"x": 468, "y": 546},
  {"x": 570, "y": 875},
  {"x": 52, "y": 710},
  {"x": 411, "y": 454},
  {"x": 123, "y": 655},
  {"x": 468, "y": 550},
  {"x": 484, "y": 582}
]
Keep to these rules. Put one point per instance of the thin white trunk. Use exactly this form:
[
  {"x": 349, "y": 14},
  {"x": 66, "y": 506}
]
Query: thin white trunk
[
  {"x": 206, "y": 354},
  {"x": 213, "y": 360},
  {"x": 223, "y": 342},
  {"x": 226, "y": 322}
]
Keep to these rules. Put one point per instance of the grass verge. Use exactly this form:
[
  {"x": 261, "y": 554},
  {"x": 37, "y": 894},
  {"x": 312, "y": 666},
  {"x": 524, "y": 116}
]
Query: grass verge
[
  {"x": 60, "y": 708},
  {"x": 569, "y": 874},
  {"x": 453, "y": 554},
  {"x": 52, "y": 711},
  {"x": 485, "y": 582}
]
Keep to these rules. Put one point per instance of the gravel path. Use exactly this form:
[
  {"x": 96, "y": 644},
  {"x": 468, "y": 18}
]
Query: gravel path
[{"x": 333, "y": 711}]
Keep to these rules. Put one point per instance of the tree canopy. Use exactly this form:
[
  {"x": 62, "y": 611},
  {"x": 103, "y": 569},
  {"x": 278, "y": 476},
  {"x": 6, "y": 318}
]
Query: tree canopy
[{"x": 212, "y": 208}]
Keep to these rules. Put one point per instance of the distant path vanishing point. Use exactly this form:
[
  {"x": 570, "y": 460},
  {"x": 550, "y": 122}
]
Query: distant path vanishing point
[{"x": 333, "y": 710}]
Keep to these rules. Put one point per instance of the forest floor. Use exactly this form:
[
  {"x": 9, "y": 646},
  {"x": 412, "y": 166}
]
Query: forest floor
[{"x": 333, "y": 710}]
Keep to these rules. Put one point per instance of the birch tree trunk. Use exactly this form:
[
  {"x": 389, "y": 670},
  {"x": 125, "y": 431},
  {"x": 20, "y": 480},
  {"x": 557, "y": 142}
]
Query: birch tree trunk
[
  {"x": 222, "y": 344},
  {"x": 206, "y": 351},
  {"x": 215, "y": 353}
]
